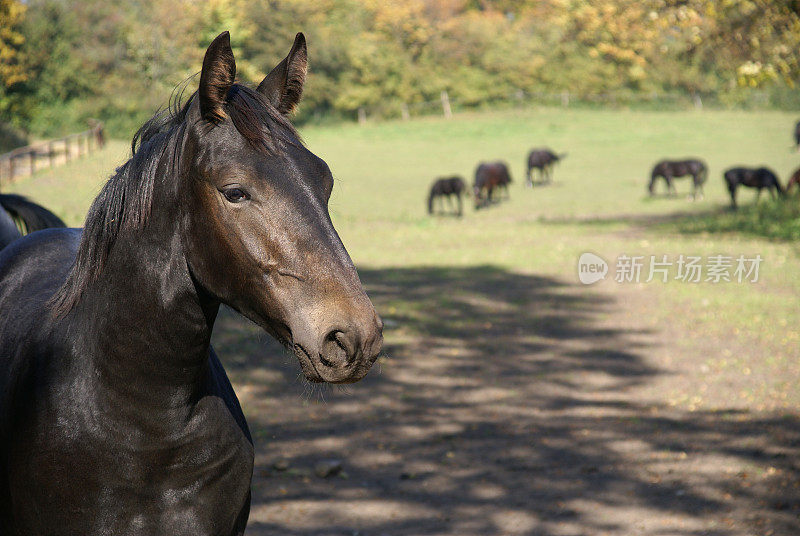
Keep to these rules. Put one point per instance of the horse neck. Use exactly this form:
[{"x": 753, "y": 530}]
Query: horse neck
[{"x": 147, "y": 326}]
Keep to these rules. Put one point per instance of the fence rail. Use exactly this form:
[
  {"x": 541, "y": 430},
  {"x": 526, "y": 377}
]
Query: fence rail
[
  {"x": 27, "y": 160},
  {"x": 447, "y": 106}
]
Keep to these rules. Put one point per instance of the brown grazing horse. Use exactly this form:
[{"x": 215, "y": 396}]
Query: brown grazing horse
[
  {"x": 447, "y": 188},
  {"x": 489, "y": 176},
  {"x": 116, "y": 416},
  {"x": 797, "y": 136},
  {"x": 759, "y": 178},
  {"x": 793, "y": 181},
  {"x": 672, "y": 169},
  {"x": 542, "y": 159}
]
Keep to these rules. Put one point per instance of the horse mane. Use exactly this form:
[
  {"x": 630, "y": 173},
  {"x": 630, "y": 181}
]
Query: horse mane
[{"x": 125, "y": 202}]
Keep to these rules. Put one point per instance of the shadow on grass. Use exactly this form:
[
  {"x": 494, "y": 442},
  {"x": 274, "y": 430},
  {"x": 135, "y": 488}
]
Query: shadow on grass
[
  {"x": 504, "y": 407},
  {"x": 773, "y": 219}
]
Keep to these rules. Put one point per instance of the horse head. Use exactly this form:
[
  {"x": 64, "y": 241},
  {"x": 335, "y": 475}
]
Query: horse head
[{"x": 258, "y": 232}]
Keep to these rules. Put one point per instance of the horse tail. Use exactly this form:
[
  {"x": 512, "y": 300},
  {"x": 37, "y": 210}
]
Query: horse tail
[{"x": 32, "y": 216}]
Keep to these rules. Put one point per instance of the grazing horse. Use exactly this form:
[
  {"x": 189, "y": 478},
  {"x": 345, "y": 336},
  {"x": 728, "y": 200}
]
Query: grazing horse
[
  {"x": 490, "y": 176},
  {"x": 20, "y": 216},
  {"x": 797, "y": 136},
  {"x": 672, "y": 169},
  {"x": 116, "y": 416},
  {"x": 542, "y": 159},
  {"x": 759, "y": 178},
  {"x": 445, "y": 188},
  {"x": 794, "y": 181}
]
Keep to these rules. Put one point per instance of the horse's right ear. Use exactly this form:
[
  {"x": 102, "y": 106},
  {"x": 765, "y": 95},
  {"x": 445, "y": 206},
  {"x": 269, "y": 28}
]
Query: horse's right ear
[
  {"x": 283, "y": 86},
  {"x": 219, "y": 72}
]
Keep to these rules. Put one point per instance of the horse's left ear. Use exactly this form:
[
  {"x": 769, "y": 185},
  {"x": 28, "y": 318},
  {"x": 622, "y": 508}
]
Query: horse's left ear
[
  {"x": 283, "y": 86},
  {"x": 216, "y": 78}
]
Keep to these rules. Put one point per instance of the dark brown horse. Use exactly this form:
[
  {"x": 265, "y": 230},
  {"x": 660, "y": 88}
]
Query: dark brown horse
[
  {"x": 543, "y": 160},
  {"x": 490, "y": 176},
  {"x": 447, "y": 188},
  {"x": 19, "y": 216},
  {"x": 793, "y": 181},
  {"x": 797, "y": 136},
  {"x": 759, "y": 178},
  {"x": 116, "y": 416},
  {"x": 672, "y": 169}
]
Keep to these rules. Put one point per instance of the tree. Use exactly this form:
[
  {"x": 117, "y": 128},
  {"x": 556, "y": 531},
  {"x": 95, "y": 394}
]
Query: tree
[{"x": 12, "y": 69}]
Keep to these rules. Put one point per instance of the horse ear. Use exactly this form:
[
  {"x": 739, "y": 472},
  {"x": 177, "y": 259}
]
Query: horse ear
[
  {"x": 283, "y": 86},
  {"x": 219, "y": 72}
]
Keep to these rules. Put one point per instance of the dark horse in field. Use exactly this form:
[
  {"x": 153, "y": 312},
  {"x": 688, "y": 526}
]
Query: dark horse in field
[
  {"x": 116, "y": 416},
  {"x": 490, "y": 176},
  {"x": 446, "y": 188},
  {"x": 543, "y": 160},
  {"x": 20, "y": 216},
  {"x": 759, "y": 178},
  {"x": 672, "y": 169},
  {"x": 793, "y": 181},
  {"x": 797, "y": 136}
]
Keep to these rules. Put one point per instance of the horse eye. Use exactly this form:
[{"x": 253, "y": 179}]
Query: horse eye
[{"x": 235, "y": 195}]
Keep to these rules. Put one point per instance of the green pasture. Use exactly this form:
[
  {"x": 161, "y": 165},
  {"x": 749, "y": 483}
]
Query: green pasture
[{"x": 597, "y": 203}]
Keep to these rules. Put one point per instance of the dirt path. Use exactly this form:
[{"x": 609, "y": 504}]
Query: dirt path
[{"x": 510, "y": 404}]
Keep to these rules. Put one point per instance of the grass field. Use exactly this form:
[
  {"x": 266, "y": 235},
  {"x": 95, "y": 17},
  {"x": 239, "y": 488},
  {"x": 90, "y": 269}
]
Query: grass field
[{"x": 620, "y": 408}]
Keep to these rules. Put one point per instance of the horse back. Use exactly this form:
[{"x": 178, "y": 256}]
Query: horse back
[
  {"x": 31, "y": 270},
  {"x": 8, "y": 229}
]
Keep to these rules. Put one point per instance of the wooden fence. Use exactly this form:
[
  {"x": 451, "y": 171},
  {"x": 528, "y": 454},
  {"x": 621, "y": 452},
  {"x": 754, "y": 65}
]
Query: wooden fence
[
  {"x": 25, "y": 161},
  {"x": 447, "y": 106}
]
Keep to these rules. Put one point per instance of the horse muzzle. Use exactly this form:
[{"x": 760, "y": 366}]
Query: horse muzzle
[{"x": 340, "y": 353}]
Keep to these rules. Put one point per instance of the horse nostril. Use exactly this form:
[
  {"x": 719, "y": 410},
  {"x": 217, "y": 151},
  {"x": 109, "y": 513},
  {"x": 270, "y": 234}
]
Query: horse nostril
[{"x": 336, "y": 350}]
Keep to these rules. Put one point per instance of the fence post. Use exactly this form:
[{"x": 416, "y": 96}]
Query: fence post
[
  {"x": 448, "y": 113},
  {"x": 698, "y": 102},
  {"x": 565, "y": 98},
  {"x": 404, "y": 112},
  {"x": 67, "y": 152},
  {"x": 51, "y": 153},
  {"x": 362, "y": 116},
  {"x": 32, "y": 156}
]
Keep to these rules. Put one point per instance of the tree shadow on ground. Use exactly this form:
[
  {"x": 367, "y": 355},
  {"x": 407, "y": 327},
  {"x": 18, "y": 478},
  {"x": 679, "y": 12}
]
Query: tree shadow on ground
[{"x": 505, "y": 404}]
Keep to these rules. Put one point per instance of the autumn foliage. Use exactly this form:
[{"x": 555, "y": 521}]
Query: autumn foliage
[{"x": 62, "y": 61}]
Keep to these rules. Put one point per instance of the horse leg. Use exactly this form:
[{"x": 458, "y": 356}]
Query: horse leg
[
  {"x": 529, "y": 177},
  {"x": 458, "y": 198},
  {"x": 758, "y": 195}
]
